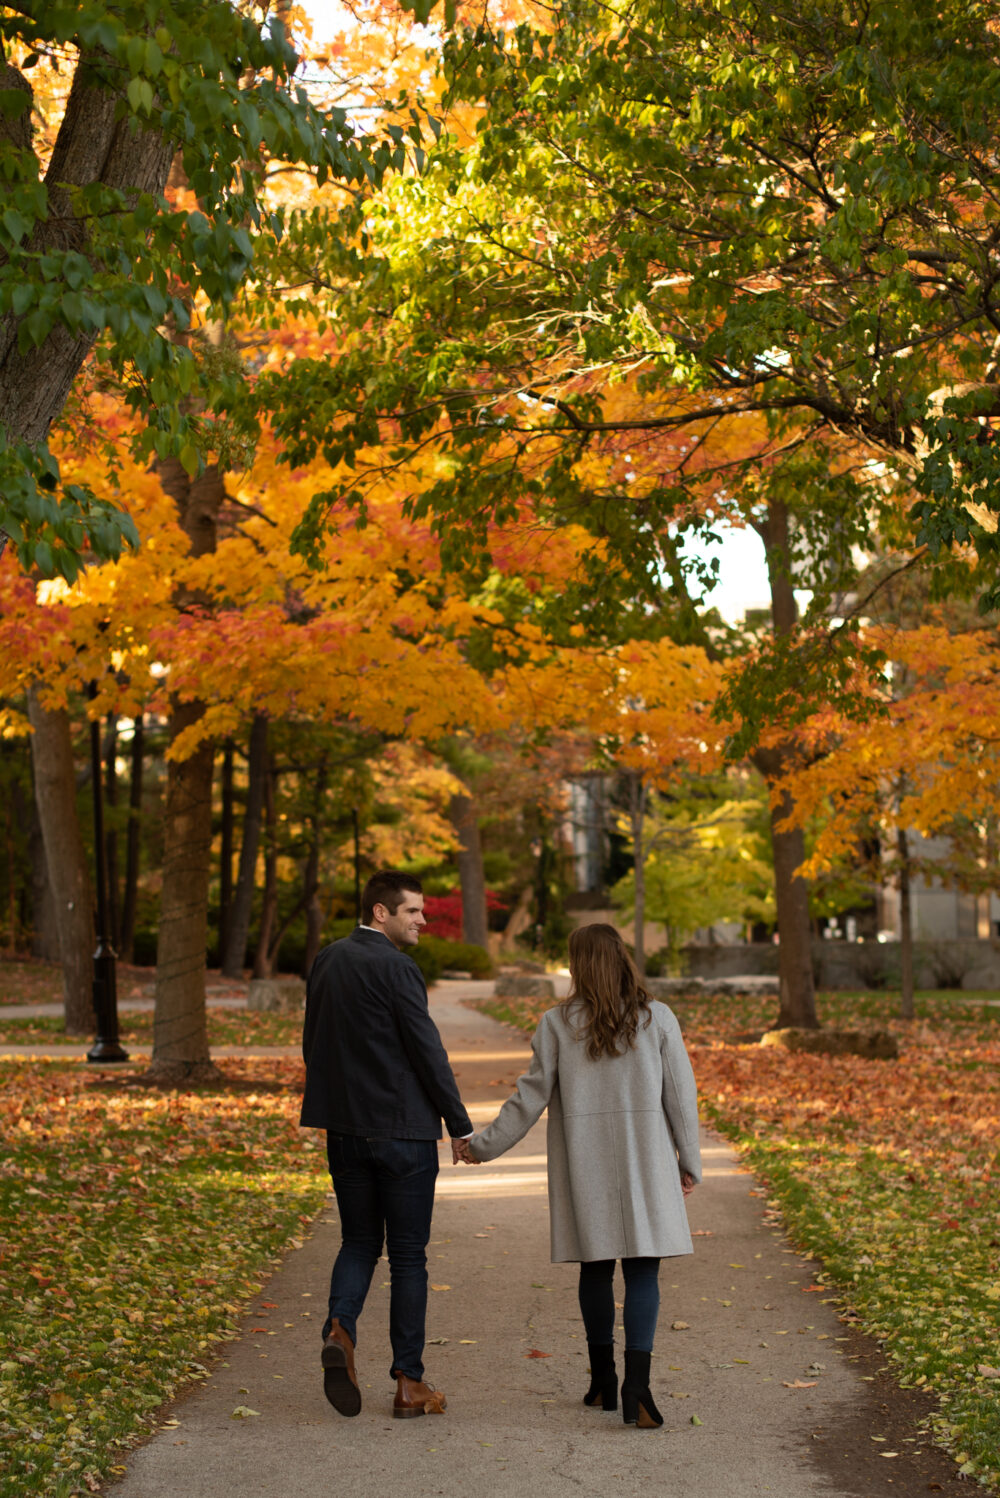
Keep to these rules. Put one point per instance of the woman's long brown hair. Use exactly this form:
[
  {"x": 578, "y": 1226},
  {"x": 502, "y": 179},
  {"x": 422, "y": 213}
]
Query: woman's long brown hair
[{"x": 606, "y": 993}]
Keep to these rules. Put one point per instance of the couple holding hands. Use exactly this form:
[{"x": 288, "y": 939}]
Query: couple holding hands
[{"x": 610, "y": 1066}]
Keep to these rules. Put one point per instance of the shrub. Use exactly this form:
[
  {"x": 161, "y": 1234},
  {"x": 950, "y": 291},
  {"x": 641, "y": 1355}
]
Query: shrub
[{"x": 433, "y": 956}]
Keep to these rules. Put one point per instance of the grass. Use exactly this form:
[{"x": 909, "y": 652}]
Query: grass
[
  {"x": 225, "y": 1027},
  {"x": 885, "y": 1170},
  {"x": 136, "y": 1223}
]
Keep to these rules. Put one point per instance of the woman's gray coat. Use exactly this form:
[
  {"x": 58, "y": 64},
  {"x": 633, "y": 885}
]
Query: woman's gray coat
[{"x": 620, "y": 1131}]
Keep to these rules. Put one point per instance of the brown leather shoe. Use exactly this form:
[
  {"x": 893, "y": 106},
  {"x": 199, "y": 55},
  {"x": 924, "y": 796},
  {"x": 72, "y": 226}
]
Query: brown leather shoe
[
  {"x": 416, "y": 1398},
  {"x": 339, "y": 1382}
]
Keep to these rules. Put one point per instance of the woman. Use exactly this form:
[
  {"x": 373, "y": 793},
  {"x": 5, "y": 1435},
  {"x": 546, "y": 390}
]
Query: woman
[{"x": 610, "y": 1065}]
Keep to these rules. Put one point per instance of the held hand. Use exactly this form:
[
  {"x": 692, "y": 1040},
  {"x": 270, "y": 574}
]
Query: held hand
[
  {"x": 687, "y": 1182},
  {"x": 460, "y": 1152}
]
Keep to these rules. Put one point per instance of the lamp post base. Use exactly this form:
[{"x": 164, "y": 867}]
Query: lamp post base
[{"x": 107, "y": 1050}]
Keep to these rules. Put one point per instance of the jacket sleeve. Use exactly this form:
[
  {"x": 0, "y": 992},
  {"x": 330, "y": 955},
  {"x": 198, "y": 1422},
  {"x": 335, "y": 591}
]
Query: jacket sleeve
[
  {"x": 529, "y": 1100},
  {"x": 424, "y": 1048},
  {"x": 680, "y": 1094}
]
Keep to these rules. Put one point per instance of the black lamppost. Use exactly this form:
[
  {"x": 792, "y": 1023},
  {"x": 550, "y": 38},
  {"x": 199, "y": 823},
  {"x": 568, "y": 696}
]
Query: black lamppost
[{"x": 106, "y": 1047}]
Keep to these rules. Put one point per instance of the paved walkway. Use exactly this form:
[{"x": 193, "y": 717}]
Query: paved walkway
[{"x": 752, "y": 1368}]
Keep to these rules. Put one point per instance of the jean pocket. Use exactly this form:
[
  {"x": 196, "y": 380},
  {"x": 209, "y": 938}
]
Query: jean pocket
[{"x": 400, "y": 1158}]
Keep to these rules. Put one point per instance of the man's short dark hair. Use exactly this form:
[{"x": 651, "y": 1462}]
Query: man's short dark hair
[{"x": 387, "y": 888}]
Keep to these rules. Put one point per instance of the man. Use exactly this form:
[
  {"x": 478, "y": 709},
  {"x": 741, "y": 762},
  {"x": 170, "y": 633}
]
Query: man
[{"x": 379, "y": 1082}]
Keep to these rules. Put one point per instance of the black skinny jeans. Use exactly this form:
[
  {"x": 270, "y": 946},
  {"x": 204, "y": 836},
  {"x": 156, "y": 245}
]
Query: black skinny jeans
[{"x": 642, "y": 1301}]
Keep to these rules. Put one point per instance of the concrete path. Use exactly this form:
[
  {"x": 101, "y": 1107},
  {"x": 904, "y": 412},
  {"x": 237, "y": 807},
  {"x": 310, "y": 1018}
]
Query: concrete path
[{"x": 751, "y": 1371}]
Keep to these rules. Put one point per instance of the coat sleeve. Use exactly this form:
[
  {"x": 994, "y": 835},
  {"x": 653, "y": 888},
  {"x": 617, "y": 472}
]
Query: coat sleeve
[
  {"x": 528, "y": 1101},
  {"x": 680, "y": 1094},
  {"x": 425, "y": 1050}
]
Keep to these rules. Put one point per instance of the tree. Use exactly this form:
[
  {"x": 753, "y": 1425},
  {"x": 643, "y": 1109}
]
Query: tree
[
  {"x": 699, "y": 262},
  {"x": 94, "y": 260},
  {"x": 924, "y": 758},
  {"x": 700, "y": 857}
]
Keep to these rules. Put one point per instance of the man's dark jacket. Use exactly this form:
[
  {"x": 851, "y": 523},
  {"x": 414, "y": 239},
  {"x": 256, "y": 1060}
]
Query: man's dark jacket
[{"x": 375, "y": 1065}]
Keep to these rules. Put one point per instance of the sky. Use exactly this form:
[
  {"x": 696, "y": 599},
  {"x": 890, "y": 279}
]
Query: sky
[{"x": 742, "y": 569}]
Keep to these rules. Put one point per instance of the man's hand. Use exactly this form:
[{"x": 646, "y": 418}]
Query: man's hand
[
  {"x": 688, "y": 1182},
  {"x": 461, "y": 1153}
]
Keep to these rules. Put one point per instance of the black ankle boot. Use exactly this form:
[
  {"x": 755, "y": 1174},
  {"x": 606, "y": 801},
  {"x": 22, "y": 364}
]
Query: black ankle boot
[
  {"x": 637, "y": 1402},
  {"x": 603, "y": 1391}
]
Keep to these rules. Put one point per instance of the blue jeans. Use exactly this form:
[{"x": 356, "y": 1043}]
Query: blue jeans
[
  {"x": 384, "y": 1188},
  {"x": 642, "y": 1302}
]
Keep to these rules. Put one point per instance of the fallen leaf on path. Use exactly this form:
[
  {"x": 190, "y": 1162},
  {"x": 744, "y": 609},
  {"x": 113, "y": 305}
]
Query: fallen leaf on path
[
  {"x": 440, "y": 1287},
  {"x": 695, "y": 1420},
  {"x": 534, "y": 1353},
  {"x": 436, "y": 1341},
  {"x": 241, "y": 1412},
  {"x": 800, "y": 1383},
  {"x": 680, "y": 1326}
]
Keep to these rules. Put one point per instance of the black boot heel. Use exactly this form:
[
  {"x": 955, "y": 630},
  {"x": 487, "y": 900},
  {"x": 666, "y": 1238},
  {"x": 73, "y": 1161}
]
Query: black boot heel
[
  {"x": 638, "y": 1407},
  {"x": 603, "y": 1391}
]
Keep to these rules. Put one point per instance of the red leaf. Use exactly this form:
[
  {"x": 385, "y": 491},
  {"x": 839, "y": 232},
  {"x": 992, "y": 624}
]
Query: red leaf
[{"x": 534, "y": 1353}]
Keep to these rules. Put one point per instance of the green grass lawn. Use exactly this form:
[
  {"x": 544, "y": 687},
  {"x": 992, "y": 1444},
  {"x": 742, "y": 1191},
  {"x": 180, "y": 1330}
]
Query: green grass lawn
[
  {"x": 225, "y": 1027},
  {"x": 887, "y": 1171},
  {"x": 136, "y": 1224}
]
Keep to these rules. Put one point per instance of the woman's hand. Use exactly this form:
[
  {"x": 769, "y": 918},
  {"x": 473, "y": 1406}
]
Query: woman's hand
[{"x": 688, "y": 1182}]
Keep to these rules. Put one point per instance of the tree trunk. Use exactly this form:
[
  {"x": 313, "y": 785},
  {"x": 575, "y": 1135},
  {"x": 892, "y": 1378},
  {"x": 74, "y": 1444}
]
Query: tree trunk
[
  {"x": 797, "y": 1005},
  {"x": 475, "y": 924},
  {"x": 906, "y": 984},
  {"x": 44, "y": 926},
  {"x": 637, "y": 817},
  {"x": 55, "y": 792},
  {"x": 241, "y": 909},
  {"x": 180, "y": 1031},
  {"x": 263, "y": 959},
  {"x": 133, "y": 842},
  {"x": 226, "y": 848},
  {"x": 98, "y": 142},
  {"x": 797, "y": 1001}
]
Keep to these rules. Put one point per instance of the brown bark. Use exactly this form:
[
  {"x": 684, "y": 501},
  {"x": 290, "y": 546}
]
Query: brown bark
[
  {"x": 469, "y": 858},
  {"x": 234, "y": 953},
  {"x": 180, "y": 1030},
  {"x": 55, "y": 793},
  {"x": 44, "y": 926},
  {"x": 263, "y": 955},
  {"x": 97, "y": 143},
  {"x": 797, "y": 1004}
]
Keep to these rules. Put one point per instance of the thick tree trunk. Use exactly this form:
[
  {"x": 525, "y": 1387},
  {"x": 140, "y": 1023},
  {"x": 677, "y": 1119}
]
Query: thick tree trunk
[
  {"x": 55, "y": 792},
  {"x": 133, "y": 842},
  {"x": 97, "y": 143},
  {"x": 241, "y": 910},
  {"x": 475, "y": 925},
  {"x": 906, "y": 983},
  {"x": 797, "y": 1006},
  {"x": 180, "y": 1031},
  {"x": 263, "y": 957},
  {"x": 797, "y": 1001},
  {"x": 44, "y": 926}
]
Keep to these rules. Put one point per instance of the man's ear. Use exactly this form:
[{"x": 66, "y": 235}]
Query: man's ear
[{"x": 380, "y": 912}]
